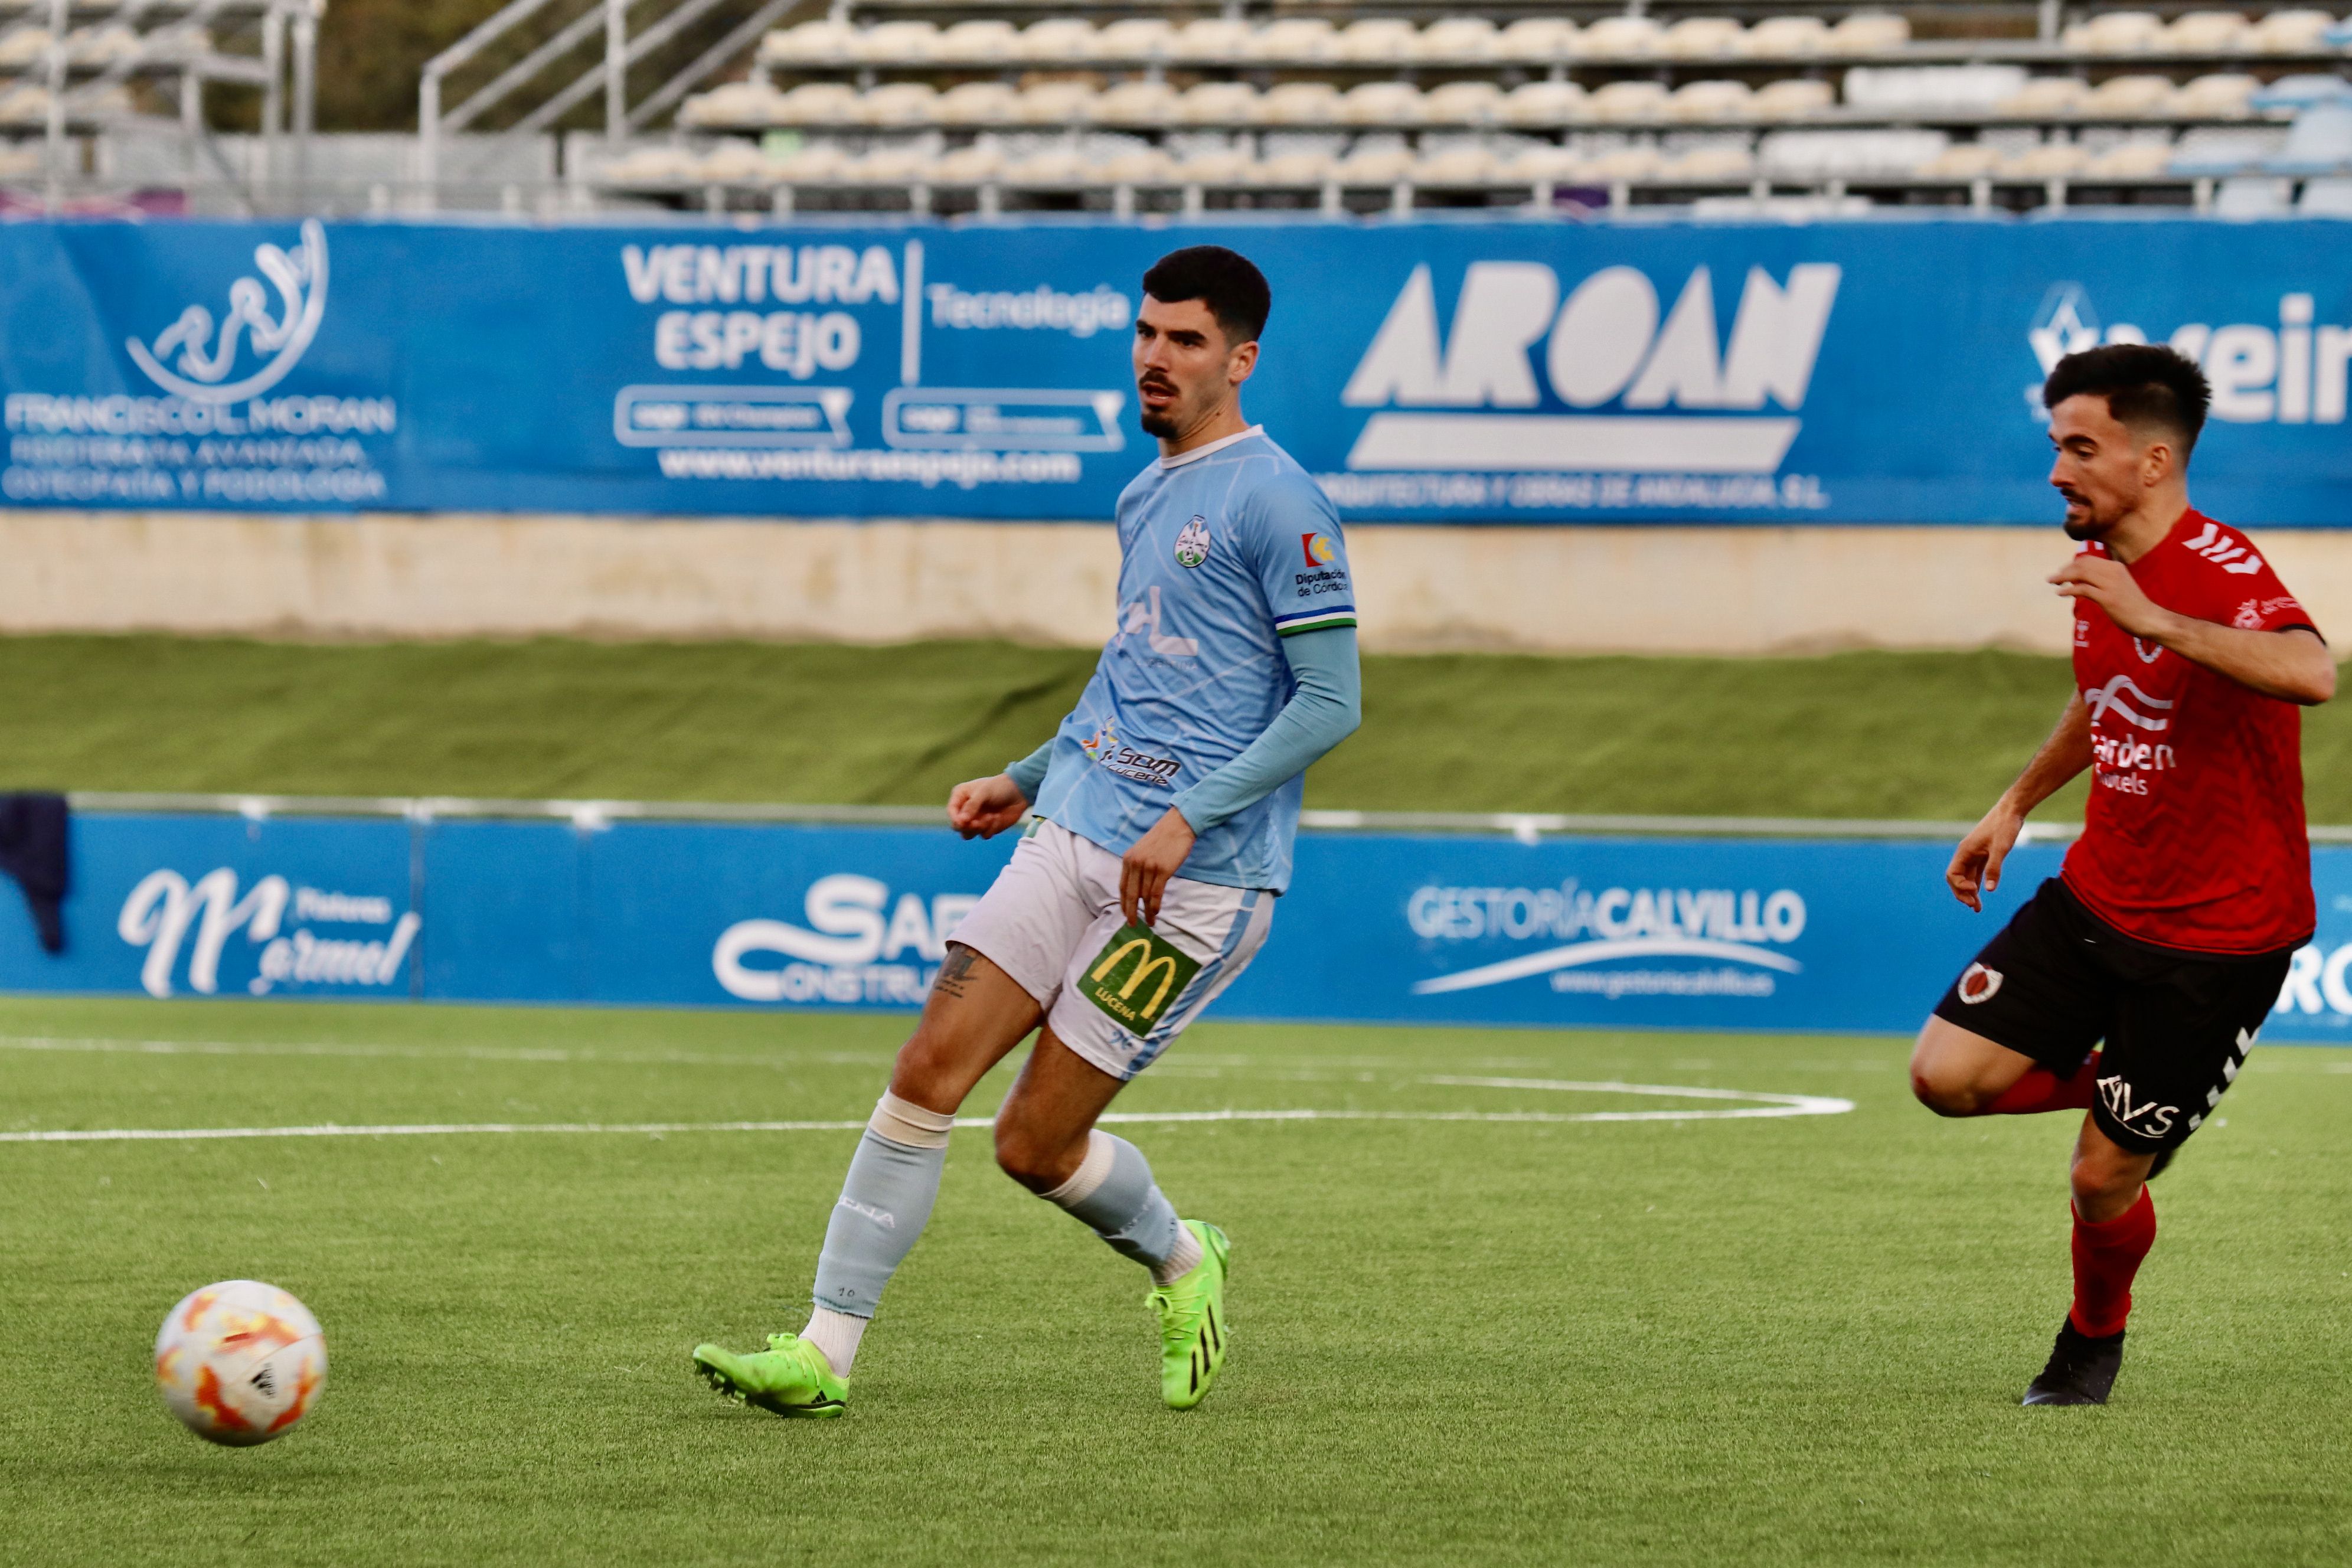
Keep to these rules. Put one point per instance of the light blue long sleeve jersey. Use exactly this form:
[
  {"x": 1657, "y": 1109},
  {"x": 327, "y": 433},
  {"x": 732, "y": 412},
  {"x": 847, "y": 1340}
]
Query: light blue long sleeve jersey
[{"x": 1233, "y": 668}]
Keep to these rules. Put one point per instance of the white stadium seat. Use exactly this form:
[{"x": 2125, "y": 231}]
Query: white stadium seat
[
  {"x": 1702, "y": 37},
  {"x": 1711, "y": 102},
  {"x": 1214, "y": 166},
  {"x": 1536, "y": 40},
  {"x": 1847, "y": 154},
  {"x": 974, "y": 165},
  {"x": 1725, "y": 163},
  {"x": 899, "y": 103},
  {"x": 1058, "y": 40},
  {"x": 2289, "y": 33},
  {"x": 1135, "y": 166},
  {"x": 22, "y": 46},
  {"x": 1137, "y": 102},
  {"x": 1300, "y": 103},
  {"x": 1613, "y": 38},
  {"x": 2043, "y": 97},
  {"x": 1963, "y": 160},
  {"x": 820, "y": 43},
  {"x": 2320, "y": 141},
  {"x": 1378, "y": 41},
  {"x": 1211, "y": 38},
  {"x": 1456, "y": 163},
  {"x": 1383, "y": 161},
  {"x": 1296, "y": 168},
  {"x": 1457, "y": 40},
  {"x": 1793, "y": 98},
  {"x": 2116, "y": 33},
  {"x": 819, "y": 103},
  {"x": 1622, "y": 103},
  {"x": 2131, "y": 160},
  {"x": 1787, "y": 39},
  {"x": 2052, "y": 161},
  {"x": 1869, "y": 33},
  {"x": 898, "y": 44},
  {"x": 1136, "y": 39},
  {"x": 1218, "y": 103},
  {"x": 1381, "y": 104},
  {"x": 1977, "y": 89},
  {"x": 1542, "y": 103},
  {"x": 736, "y": 104},
  {"x": 1047, "y": 167},
  {"x": 735, "y": 163},
  {"x": 978, "y": 103},
  {"x": 2205, "y": 33},
  {"x": 981, "y": 41},
  {"x": 1623, "y": 164},
  {"x": 1463, "y": 104},
  {"x": 1295, "y": 39},
  {"x": 2223, "y": 95},
  {"x": 900, "y": 163},
  {"x": 1542, "y": 163},
  {"x": 2330, "y": 197},
  {"x": 1054, "y": 102},
  {"x": 2248, "y": 196},
  {"x": 2135, "y": 97},
  {"x": 645, "y": 166}
]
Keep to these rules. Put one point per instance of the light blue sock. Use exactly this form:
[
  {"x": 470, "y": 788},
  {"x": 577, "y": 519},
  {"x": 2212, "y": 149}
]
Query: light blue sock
[
  {"x": 1113, "y": 1192},
  {"x": 886, "y": 1200}
]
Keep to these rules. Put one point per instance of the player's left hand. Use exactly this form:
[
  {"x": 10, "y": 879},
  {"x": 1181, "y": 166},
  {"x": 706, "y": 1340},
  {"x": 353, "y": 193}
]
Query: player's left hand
[
  {"x": 2109, "y": 585},
  {"x": 1143, "y": 874}
]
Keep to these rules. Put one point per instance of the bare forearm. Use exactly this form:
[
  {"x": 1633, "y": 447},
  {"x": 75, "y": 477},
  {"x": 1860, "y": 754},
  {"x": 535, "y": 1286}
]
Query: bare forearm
[
  {"x": 2066, "y": 752},
  {"x": 2293, "y": 665}
]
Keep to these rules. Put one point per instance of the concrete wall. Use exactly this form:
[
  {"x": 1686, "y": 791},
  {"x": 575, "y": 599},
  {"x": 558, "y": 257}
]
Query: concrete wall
[{"x": 1592, "y": 589}]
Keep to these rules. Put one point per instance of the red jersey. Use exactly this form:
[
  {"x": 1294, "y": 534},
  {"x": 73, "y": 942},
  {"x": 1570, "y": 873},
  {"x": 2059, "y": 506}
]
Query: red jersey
[{"x": 2194, "y": 836}]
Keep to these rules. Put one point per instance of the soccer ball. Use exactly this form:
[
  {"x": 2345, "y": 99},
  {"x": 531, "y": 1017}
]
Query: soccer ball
[{"x": 239, "y": 1363}]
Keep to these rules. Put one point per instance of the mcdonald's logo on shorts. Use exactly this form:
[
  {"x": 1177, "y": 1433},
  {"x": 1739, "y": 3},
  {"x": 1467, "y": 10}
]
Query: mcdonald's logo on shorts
[{"x": 1137, "y": 977}]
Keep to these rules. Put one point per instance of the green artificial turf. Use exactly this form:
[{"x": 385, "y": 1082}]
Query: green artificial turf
[{"x": 1733, "y": 1342}]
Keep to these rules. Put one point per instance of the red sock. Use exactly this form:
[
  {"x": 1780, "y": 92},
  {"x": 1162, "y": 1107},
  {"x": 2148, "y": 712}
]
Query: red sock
[
  {"x": 2041, "y": 1090},
  {"x": 2107, "y": 1256}
]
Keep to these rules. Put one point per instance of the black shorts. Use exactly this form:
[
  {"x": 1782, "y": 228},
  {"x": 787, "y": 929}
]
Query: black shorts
[{"x": 2057, "y": 980}]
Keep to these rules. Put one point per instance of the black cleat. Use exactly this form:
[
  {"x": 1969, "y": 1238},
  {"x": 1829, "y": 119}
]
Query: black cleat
[{"x": 2081, "y": 1371}]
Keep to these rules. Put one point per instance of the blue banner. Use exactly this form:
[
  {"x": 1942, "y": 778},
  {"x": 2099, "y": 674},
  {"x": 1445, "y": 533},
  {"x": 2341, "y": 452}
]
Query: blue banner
[
  {"x": 1499, "y": 370},
  {"x": 1682, "y": 934}
]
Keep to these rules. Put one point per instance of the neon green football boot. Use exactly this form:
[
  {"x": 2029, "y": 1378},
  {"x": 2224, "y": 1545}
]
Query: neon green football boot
[
  {"x": 1193, "y": 1333},
  {"x": 791, "y": 1377}
]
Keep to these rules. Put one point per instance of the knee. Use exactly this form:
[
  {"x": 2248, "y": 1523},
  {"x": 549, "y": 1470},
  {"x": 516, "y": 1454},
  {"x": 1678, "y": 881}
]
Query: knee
[
  {"x": 1029, "y": 1159},
  {"x": 1946, "y": 1093},
  {"x": 2106, "y": 1182}
]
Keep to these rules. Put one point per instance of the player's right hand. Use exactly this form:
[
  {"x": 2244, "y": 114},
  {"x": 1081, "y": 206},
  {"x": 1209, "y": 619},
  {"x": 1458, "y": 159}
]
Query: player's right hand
[
  {"x": 1975, "y": 869},
  {"x": 982, "y": 808}
]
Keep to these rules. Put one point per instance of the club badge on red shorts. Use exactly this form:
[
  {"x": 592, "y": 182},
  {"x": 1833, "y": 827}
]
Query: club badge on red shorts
[{"x": 1978, "y": 984}]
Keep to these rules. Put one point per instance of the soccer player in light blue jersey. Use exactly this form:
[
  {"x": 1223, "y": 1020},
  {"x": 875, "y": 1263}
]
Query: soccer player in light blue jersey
[{"x": 1165, "y": 807}]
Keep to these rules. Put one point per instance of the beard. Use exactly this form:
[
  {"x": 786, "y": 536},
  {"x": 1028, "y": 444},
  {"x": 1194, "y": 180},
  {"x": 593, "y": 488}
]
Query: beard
[{"x": 1161, "y": 424}]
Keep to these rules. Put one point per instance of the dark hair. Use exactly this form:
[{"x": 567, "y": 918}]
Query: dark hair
[
  {"x": 1224, "y": 280},
  {"x": 2146, "y": 385}
]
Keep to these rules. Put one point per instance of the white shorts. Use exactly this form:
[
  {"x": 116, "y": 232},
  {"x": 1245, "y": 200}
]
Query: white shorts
[{"x": 1114, "y": 994}]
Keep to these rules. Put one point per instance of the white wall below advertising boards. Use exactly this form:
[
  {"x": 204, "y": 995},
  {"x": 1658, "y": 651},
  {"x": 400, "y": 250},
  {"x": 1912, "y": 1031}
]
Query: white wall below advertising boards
[{"x": 1646, "y": 589}]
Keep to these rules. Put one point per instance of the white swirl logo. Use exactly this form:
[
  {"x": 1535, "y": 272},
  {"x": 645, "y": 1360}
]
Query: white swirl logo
[{"x": 208, "y": 354}]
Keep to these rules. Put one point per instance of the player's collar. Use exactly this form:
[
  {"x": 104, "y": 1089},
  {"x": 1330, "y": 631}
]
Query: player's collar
[{"x": 1181, "y": 459}]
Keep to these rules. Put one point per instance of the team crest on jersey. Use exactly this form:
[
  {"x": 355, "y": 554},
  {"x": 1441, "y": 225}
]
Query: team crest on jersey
[
  {"x": 1979, "y": 984},
  {"x": 1192, "y": 544}
]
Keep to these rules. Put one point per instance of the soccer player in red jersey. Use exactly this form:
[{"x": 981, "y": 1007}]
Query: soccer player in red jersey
[{"x": 2132, "y": 984}]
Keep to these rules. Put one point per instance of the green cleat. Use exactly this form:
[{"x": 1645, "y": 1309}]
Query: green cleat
[
  {"x": 791, "y": 1377},
  {"x": 1192, "y": 1332}
]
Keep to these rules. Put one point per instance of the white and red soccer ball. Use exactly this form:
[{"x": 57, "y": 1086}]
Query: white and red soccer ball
[{"x": 240, "y": 1363}]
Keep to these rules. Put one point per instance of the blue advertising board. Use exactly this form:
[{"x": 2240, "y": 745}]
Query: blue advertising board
[
  {"x": 1637, "y": 933},
  {"x": 1505, "y": 369}
]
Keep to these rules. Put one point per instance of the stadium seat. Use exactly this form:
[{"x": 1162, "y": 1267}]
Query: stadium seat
[
  {"x": 2044, "y": 98},
  {"x": 977, "y": 164},
  {"x": 2130, "y": 161},
  {"x": 1463, "y": 104},
  {"x": 744, "y": 103},
  {"x": 1055, "y": 165},
  {"x": 1623, "y": 102},
  {"x": 978, "y": 103},
  {"x": 2318, "y": 142},
  {"x": 1135, "y": 166},
  {"x": 1536, "y": 40},
  {"x": 1210, "y": 39},
  {"x": 820, "y": 43},
  {"x": 1454, "y": 164},
  {"x": 1545, "y": 103},
  {"x": 1701, "y": 38},
  {"x": 1787, "y": 39},
  {"x": 1726, "y": 163},
  {"x": 2223, "y": 95},
  {"x": 2209, "y": 152},
  {"x": 1793, "y": 98},
  {"x": 2300, "y": 91},
  {"x": 1623, "y": 164},
  {"x": 2128, "y": 97},
  {"x": 1136, "y": 39},
  {"x": 1869, "y": 33},
  {"x": 2205, "y": 33},
  {"x": 1710, "y": 102},
  {"x": 814, "y": 162},
  {"x": 1963, "y": 160},
  {"x": 2116, "y": 33},
  {"x": 1457, "y": 40},
  {"x": 1138, "y": 102},
  {"x": 1218, "y": 103},
  {"x": 2325, "y": 198},
  {"x": 898, "y": 44},
  {"x": 1811, "y": 155},
  {"x": 979, "y": 41},
  {"x": 1381, "y": 104},
  {"x": 1620, "y": 37},
  {"x": 23, "y": 45},
  {"x": 736, "y": 163},
  {"x": 645, "y": 166},
  {"x": 1300, "y": 103},
  {"x": 2244, "y": 196},
  {"x": 1974, "y": 89},
  {"x": 1056, "y": 40},
  {"x": 1301, "y": 167},
  {"x": 1302, "y": 39},
  {"x": 1378, "y": 41},
  {"x": 899, "y": 103},
  {"x": 2051, "y": 161},
  {"x": 96, "y": 48},
  {"x": 1542, "y": 164},
  {"x": 2289, "y": 33},
  {"x": 1055, "y": 103}
]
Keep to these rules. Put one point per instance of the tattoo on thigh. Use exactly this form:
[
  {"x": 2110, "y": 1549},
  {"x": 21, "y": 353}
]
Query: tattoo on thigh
[{"x": 955, "y": 971}]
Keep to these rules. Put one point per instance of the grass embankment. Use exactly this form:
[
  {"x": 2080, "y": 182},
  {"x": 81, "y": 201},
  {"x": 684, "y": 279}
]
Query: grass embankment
[{"x": 1864, "y": 734}]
